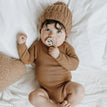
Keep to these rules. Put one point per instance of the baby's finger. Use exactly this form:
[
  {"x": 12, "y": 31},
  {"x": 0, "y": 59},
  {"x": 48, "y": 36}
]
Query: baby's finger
[
  {"x": 68, "y": 105},
  {"x": 23, "y": 37},
  {"x": 51, "y": 48},
  {"x": 65, "y": 103}
]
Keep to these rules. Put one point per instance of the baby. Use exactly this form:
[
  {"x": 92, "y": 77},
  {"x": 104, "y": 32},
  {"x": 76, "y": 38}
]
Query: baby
[{"x": 54, "y": 59}]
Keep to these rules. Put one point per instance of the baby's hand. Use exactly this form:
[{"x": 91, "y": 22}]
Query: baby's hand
[
  {"x": 21, "y": 38},
  {"x": 54, "y": 52}
]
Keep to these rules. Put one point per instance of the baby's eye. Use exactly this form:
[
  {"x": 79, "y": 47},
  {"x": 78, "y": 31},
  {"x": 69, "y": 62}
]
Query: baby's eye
[
  {"x": 59, "y": 31},
  {"x": 47, "y": 29}
]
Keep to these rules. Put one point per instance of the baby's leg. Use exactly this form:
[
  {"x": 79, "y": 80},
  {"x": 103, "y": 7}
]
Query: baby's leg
[
  {"x": 40, "y": 98},
  {"x": 74, "y": 92}
]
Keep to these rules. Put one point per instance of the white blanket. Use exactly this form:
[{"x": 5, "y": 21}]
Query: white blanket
[{"x": 88, "y": 36}]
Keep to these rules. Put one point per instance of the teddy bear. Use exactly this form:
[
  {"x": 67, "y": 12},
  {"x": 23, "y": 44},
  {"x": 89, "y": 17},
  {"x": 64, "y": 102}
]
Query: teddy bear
[{"x": 11, "y": 70}]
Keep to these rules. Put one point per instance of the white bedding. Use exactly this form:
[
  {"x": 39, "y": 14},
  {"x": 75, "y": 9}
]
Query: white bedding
[{"x": 88, "y": 36}]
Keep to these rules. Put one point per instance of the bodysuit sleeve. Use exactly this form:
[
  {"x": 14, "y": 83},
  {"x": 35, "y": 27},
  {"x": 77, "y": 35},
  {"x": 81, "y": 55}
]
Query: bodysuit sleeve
[
  {"x": 26, "y": 55},
  {"x": 69, "y": 60}
]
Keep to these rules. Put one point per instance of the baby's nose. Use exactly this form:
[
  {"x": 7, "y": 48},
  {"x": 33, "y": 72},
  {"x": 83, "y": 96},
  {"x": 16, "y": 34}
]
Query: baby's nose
[{"x": 51, "y": 34}]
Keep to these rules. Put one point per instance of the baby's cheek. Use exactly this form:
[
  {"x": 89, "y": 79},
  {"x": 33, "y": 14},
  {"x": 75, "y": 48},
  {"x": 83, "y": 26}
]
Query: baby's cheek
[
  {"x": 60, "y": 41},
  {"x": 44, "y": 35}
]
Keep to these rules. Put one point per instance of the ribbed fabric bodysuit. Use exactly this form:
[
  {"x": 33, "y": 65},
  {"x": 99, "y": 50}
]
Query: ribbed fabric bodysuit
[{"x": 52, "y": 74}]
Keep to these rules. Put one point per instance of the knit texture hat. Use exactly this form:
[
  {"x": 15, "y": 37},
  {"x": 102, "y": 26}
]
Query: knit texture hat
[{"x": 59, "y": 12}]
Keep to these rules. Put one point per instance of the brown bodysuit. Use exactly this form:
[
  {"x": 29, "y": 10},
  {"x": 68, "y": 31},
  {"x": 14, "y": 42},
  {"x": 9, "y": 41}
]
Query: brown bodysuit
[{"x": 52, "y": 74}]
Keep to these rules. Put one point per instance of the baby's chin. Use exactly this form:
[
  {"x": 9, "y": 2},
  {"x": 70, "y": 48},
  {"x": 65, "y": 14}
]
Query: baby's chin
[{"x": 58, "y": 45}]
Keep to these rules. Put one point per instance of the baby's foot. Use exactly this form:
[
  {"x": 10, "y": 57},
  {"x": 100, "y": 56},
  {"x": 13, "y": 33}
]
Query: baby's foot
[{"x": 65, "y": 104}]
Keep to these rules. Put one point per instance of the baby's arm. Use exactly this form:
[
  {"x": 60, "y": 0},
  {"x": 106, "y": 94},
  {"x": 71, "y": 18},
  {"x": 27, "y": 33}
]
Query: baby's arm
[
  {"x": 26, "y": 56},
  {"x": 69, "y": 60}
]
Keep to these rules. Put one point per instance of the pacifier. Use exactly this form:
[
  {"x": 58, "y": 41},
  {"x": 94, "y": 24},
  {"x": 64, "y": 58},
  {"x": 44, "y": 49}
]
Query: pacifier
[{"x": 50, "y": 42}]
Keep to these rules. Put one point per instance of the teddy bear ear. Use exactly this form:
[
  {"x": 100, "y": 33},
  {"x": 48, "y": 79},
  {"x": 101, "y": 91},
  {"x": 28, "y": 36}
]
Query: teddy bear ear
[{"x": 11, "y": 70}]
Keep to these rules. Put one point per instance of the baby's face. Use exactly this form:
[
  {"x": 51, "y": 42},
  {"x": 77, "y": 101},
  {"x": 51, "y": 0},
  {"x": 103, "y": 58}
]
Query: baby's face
[{"x": 50, "y": 31}]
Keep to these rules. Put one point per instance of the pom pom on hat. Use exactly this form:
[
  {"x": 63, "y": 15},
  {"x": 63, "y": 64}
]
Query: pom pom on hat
[{"x": 60, "y": 3}]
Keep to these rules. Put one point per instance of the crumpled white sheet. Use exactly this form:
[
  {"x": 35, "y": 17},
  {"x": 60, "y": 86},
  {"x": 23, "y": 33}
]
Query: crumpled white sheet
[{"x": 88, "y": 36}]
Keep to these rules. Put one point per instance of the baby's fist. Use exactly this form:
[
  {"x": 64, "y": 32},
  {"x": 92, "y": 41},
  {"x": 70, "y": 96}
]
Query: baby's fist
[
  {"x": 54, "y": 52},
  {"x": 21, "y": 38}
]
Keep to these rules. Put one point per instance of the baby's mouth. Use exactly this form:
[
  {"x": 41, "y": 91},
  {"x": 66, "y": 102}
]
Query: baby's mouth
[{"x": 50, "y": 41}]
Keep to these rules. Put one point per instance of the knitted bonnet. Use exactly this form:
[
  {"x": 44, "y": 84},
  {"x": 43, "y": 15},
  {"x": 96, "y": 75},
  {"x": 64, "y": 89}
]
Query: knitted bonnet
[{"x": 59, "y": 12}]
